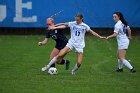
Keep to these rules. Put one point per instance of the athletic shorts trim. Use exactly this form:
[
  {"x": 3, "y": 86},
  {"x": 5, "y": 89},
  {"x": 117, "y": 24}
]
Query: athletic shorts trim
[
  {"x": 74, "y": 48},
  {"x": 123, "y": 46}
]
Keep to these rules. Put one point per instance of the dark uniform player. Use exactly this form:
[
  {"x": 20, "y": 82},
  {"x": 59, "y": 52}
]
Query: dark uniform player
[{"x": 60, "y": 40}]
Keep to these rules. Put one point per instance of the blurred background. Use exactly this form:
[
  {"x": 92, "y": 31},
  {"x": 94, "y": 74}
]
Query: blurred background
[{"x": 29, "y": 16}]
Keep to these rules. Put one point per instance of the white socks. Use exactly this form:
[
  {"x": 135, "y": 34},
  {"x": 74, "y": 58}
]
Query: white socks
[
  {"x": 120, "y": 64},
  {"x": 75, "y": 68},
  {"x": 127, "y": 64},
  {"x": 52, "y": 61}
]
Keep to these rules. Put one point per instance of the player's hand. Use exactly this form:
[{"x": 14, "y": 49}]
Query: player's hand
[
  {"x": 39, "y": 43},
  {"x": 51, "y": 28}
]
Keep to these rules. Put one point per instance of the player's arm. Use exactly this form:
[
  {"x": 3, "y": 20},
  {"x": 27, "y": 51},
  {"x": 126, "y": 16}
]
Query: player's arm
[
  {"x": 111, "y": 36},
  {"x": 66, "y": 24},
  {"x": 116, "y": 31},
  {"x": 129, "y": 32},
  {"x": 58, "y": 26},
  {"x": 95, "y": 34},
  {"x": 44, "y": 42}
]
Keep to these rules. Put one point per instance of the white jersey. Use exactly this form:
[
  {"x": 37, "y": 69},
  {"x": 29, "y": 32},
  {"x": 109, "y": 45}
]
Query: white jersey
[
  {"x": 122, "y": 38},
  {"x": 78, "y": 33}
]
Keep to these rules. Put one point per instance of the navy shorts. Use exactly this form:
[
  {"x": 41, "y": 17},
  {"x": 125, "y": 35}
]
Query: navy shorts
[{"x": 61, "y": 45}]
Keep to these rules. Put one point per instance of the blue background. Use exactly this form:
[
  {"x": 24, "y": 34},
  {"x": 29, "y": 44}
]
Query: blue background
[{"x": 97, "y": 13}]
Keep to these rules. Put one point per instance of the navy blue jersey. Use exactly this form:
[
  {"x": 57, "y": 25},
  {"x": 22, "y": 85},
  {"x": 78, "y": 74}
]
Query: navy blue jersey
[{"x": 59, "y": 37}]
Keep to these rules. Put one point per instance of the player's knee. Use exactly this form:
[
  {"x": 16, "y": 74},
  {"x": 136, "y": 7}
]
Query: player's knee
[
  {"x": 59, "y": 59},
  {"x": 60, "y": 56},
  {"x": 121, "y": 59}
]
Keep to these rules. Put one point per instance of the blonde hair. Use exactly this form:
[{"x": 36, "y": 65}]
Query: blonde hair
[{"x": 51, "y": 19}]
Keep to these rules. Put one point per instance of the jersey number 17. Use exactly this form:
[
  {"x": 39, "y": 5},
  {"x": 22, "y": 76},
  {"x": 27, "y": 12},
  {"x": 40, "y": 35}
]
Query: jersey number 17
[{"x": 77, "y": 33}]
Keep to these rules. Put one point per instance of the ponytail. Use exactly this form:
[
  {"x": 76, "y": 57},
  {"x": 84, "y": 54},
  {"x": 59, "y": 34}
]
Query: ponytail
[{"x": 122, "y": 18}]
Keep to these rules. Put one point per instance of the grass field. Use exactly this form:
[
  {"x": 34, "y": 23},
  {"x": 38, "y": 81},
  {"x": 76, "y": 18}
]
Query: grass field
[{"x": 21, "y": 60}]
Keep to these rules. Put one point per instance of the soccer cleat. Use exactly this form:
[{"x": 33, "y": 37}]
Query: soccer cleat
[
  {"x": 45, "y": 68},
  {"x": 73, "y": 73},
  {"x": 119, "y": 70},
  {"x": 133, "y": 70},
  {"x": 67, "y": 64}
]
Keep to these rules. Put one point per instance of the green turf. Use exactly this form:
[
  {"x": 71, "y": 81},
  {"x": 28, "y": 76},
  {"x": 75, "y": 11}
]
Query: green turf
[{"x": 21, "y": 60}]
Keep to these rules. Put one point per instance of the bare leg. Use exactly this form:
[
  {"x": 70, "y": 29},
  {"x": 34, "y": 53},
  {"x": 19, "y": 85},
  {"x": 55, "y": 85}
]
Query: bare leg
[
  {"x": 62, "y": 54},
  {"x": 120, "y": 64},
  {"x": 56, "y": 57},
  {"x": 78, "y": 64},
  {"x": 121, "y": 55},
  {"x": 59, "y": 57},
  {"x": 54, "y": 53}
]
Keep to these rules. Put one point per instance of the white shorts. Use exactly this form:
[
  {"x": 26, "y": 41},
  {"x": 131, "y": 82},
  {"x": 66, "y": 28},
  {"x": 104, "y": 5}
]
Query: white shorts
[
  {"x": 74, "y": 48},
  {"x": 123, "y": 44}
]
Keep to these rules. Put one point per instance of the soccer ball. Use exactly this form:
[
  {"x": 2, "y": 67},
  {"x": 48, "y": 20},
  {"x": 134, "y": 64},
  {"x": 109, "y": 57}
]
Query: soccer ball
[{"x": 52, "y": 71}]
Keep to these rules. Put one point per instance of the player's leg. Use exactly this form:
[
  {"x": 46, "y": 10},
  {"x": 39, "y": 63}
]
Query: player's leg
[
  {"x": 63, "y": 61},
  {"x": 53, "y": 54},
  {"x": 59, "y": 57},
  {"x": 120, "y": 64},
  {"x": 79, "y": 62},
  {"x": 53, "y": 58},
  {"x": 66, "y": 62},
  {"x": 122, "y": 54}
]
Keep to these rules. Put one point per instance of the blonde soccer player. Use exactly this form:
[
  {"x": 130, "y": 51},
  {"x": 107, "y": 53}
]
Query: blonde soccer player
[
  {"x": 61, "y": 40},
  {"x": 76, "y": 42},
  {"x": 120, "y": 29}
]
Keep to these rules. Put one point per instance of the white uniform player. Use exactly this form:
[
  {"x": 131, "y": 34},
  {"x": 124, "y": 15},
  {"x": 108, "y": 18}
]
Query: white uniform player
[
  {"x": 77, "y": 40},
  {"x": 120, "y": 29},
  {"x": 122, "y": 39}
]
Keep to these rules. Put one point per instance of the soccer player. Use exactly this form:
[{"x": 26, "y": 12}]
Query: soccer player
[
  {"x": 76, "y": 42},
  {"x": 120, "y": 29},
  {"x": 60, "y": 40}
]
